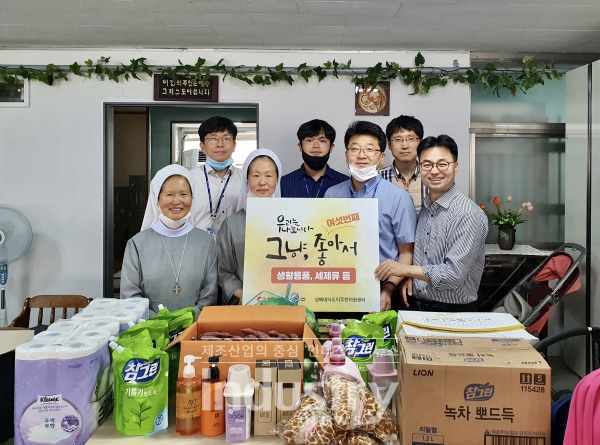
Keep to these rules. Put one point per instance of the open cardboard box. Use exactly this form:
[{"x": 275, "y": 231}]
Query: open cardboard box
[{"x": 231, "y": 319}]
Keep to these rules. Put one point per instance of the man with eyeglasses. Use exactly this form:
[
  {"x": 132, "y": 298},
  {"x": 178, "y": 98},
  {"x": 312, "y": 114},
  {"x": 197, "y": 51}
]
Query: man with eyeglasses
[
  {"x": 404, "y": 134},
  {"x": 218, "y": 182},
  {"x": 365, "y": 147},
  {"x": 449, "y": 242},
  {"x": 314, "y": 177}
]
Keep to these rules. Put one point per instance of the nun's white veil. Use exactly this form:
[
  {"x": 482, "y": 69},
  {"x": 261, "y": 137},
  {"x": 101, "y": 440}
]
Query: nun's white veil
[
  {"x": 251, "y": 157},
  {"x": 152, "y": 209}
]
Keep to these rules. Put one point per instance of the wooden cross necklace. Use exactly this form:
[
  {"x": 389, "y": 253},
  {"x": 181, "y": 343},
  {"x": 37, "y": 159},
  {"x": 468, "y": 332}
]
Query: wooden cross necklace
[{"x": 176, "y": 289}]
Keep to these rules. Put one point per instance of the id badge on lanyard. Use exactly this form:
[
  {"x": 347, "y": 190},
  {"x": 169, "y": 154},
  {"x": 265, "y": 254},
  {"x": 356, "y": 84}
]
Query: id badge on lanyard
[
  {"x": 213, "y": 215},
  {"x": 212, "y": 231}
]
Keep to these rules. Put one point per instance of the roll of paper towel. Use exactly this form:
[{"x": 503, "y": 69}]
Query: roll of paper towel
[
  {"x": 53, "y": 337},
  {"x": 106, "y": 303},
  {"x": 124, "y": 318},
  {"x": 90, "y": 314},
  {"x": 35, "y": 350},
  {"x": 140, "y": 300},
  {"x": 110, "y": 324},
  {"x": 63, "y": 325},
  {"x": 139, "y": 309}
]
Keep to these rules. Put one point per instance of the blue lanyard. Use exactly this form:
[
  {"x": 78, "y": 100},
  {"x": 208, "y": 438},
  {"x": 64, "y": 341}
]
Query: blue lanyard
[
  {"x": 318, "y": 190},
  {"x": 214, "y": 215},
  {"x": 354, "y": 194}
]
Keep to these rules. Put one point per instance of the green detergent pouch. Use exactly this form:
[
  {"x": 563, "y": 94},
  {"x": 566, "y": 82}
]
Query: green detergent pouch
[
  {"x": 140, "y": 337},
  {"x": 388, "y": 320},
  {"x": 311, "y": 321},
  {"x": 141, "y": 393},
  {"x": 310, "y": 318},
  {"x": 158, "y": 330},
  {"x": 178, "y": 321},
  {"x": 360, "y": 341}
]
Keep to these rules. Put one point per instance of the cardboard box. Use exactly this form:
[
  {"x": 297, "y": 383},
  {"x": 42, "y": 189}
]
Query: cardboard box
[
  {"x": 288, "y": 388},
  {"x": 264, "y": 397},
  {"x": 231, "y": 319},
  {"x": 517, "y": 333},
  {"x": 459, "y": 322},
  {"x": 480, "y": 391}
]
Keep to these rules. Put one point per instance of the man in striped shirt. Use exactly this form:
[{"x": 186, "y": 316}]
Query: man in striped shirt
[
  {"x": 449, "y": 242},
  {"x": 404, "y": 134}
]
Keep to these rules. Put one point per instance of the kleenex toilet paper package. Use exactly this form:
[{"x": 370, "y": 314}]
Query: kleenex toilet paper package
[
  {"x": 53, "y": 395},
  {"x": 63, "y": 386}
]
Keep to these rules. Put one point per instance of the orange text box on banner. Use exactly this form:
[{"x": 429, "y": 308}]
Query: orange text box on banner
[{"x": 314, "y": 252}]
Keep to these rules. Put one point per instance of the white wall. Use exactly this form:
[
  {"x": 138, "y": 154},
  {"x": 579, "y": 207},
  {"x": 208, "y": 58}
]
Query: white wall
[{"x": 52, "y": 154}]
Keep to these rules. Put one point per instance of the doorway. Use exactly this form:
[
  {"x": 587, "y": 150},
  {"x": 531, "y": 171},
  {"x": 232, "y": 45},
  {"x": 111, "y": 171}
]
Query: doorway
[{"x": 140, "y": 139}]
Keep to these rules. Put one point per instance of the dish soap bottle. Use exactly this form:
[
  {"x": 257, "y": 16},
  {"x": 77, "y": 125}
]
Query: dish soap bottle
[
  {"x": 188, "y": 406},
  {"x": 212, "y": 420}
]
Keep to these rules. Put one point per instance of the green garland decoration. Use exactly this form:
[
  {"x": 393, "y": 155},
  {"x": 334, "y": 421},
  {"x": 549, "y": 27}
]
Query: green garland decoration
[{"x": 420, "y": 78}]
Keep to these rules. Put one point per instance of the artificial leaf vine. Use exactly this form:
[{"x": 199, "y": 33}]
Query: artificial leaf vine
[{"x": 419, "y": 77}]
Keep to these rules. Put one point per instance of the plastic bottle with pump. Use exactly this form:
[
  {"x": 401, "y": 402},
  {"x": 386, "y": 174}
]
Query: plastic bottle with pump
[
  {"x": 212, "y": 420},
  {"x": 188, "y": 407}
]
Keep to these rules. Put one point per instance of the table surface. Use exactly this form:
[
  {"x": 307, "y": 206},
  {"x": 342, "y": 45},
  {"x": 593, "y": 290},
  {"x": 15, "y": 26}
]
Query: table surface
[
  {"x": 11, "y": 338},
  {"x": 107, "y": 434},
  {"x": 518, "y": 250}
]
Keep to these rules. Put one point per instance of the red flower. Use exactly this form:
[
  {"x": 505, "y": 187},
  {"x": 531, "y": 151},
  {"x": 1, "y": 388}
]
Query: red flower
[
  {"x": 496, "y": 200},
  {"x": 482, "y": 207}
]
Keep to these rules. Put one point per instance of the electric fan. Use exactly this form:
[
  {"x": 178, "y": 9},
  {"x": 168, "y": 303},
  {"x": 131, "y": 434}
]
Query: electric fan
[{"x": 15, "y": 240}]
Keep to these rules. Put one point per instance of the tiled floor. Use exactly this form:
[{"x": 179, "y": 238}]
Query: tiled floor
[{"x": 562, "y": 376}]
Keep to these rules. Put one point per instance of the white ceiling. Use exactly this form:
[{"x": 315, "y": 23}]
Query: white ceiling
[{"x": 476, "y": 25}]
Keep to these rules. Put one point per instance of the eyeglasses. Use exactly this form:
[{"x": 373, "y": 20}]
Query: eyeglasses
[
  {"x": 441, "y": 166},
  {"x": 225, "y": 140},
  {"x": 410, "y": 140},
  {"x": 368, "y": 151}
]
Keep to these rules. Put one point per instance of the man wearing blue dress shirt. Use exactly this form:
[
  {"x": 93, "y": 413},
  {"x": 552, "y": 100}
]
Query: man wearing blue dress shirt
[
  {"x": 316, "y": 142},
  {"x": 365, "y": 146}
]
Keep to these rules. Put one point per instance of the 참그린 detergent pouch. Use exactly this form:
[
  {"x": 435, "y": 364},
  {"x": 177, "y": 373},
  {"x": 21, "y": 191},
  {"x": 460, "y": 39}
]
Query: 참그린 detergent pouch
[
  {"x": 141, "y": 390},
  {"x": 360, "y": 341},
  {"x": 178, "y": 321},
  {"x": 158, "y": 330},
  {"x": 141, "y": 337},
  {"x": 388, "y": 320}
]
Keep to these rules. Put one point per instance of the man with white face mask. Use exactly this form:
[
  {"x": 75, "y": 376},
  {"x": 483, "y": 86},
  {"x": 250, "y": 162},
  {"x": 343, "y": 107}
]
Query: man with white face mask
[{"x": 365, "y": 145}]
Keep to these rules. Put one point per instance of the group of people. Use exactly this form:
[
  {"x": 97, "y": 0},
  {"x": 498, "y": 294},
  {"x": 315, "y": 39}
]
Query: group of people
[{"x": 431, "y": 236}]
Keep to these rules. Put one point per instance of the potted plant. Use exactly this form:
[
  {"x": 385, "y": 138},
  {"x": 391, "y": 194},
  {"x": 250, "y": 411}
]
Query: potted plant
[{"x": 506, "y": 220}]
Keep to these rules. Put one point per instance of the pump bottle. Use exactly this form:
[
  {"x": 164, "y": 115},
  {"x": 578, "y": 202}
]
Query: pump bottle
[
  {"x": 188, "y": 407},
  {"x": 212, "y": 420}
]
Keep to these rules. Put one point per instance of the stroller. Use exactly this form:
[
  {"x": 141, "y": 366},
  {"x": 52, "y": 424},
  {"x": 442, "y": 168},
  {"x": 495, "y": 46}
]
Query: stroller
[{"x": 531, "y": 300}]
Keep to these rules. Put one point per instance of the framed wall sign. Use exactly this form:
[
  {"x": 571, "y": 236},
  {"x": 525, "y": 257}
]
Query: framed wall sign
[
  {"x": 14, "y": 95},
  {"x": 373, "y": 101},
  {"x": 186, "y": 90}
]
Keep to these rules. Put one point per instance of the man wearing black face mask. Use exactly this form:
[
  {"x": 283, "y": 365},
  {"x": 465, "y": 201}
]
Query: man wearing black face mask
[{"x": 314, "y": 177}]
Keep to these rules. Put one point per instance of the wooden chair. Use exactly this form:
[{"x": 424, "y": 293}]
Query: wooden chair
[{"x": 49, "y": 302}]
